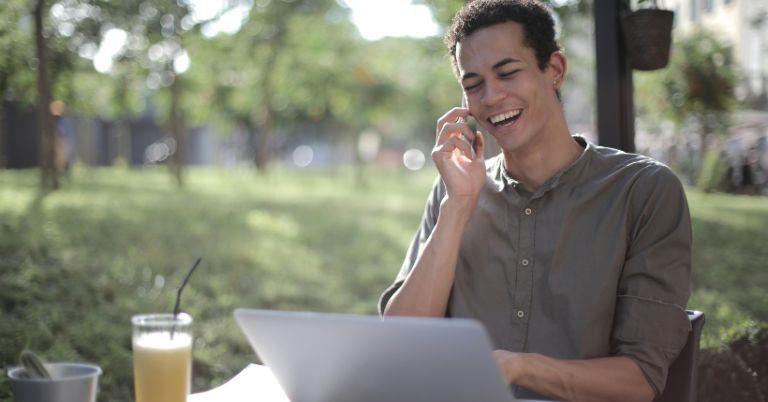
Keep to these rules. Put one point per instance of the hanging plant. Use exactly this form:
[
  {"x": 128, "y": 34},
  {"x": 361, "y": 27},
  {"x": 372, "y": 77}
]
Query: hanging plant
[{"x": 648, "y": 35}]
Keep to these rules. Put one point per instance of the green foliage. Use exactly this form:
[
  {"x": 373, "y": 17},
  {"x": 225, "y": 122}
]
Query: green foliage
[
  {"x": 698, "y": 84},
  {"x": 18, "y": 62},
  {"x": 313, "y": 72},
  {"x": 16, "y": 51},
  {"x": 712, "y": 176},
  {"x": 701, "y": 80},
  {"x": 295, "y": 67}
]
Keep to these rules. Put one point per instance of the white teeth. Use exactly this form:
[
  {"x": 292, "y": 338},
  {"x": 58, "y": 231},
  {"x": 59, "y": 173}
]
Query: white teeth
[{"x": 505, "y": 116}]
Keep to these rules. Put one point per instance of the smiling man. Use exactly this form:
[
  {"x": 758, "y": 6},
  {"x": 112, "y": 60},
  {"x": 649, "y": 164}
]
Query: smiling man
[{"x": 575, "y": 257}]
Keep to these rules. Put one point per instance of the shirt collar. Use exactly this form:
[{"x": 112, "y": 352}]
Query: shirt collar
[{"x": 500, "y": 180}]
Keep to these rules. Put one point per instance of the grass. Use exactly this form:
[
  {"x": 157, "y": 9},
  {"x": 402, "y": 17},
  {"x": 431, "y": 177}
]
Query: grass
[
  {"x": 77, "y": 263},
  {"x": 730, "y": 260}
]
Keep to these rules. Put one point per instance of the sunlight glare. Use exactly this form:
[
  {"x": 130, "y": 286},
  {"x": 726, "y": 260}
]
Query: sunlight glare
[
  {"x": 112, "y": 45},
  {"x": 376, "y": 19}
]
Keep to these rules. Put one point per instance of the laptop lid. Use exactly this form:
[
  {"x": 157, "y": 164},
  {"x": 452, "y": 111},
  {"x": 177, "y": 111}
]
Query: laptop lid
[{"x": 337, "y": 357}]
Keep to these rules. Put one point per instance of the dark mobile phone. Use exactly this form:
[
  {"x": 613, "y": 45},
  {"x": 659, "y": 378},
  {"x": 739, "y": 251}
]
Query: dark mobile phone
[{"x": 470, "y": 122}]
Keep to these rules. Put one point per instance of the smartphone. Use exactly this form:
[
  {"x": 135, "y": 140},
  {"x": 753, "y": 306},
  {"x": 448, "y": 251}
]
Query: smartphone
[{"x": 470, "y": 123}]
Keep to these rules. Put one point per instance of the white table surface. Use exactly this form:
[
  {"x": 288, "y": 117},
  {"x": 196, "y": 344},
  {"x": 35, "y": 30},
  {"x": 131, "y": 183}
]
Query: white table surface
[{"x": 255, "y": 381}]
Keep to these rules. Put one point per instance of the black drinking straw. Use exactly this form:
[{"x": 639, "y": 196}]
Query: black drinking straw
[{"x": 178, "y": 293}]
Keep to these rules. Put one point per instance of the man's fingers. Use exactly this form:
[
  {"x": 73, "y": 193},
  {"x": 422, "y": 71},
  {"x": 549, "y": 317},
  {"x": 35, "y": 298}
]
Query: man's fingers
[
  {"x": 452, "y": 116},
  {"x": 453, "y": 144},
  {"x": 479, "y": 144},
  {"x": 451, "y": 130}
]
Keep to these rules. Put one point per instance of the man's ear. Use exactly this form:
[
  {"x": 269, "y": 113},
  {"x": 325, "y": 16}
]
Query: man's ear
[{"x": 558, "y": 65}]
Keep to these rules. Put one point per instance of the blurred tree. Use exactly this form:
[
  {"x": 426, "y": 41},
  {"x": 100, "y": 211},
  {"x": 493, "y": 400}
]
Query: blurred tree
[
  {"x": 25, "y": 40},
  {"x": 700, "y": 85},
  {"x": 294, "y": 67},
  {"x": 299, "y": 58},
  {"x": 151, "y": 57},
  {"x": 63, "y": 31},
  {"x": 136, "y": 46}
]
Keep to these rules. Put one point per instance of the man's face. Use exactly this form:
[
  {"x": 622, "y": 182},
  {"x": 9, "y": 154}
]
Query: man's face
[{"x": 506, "y": 91}]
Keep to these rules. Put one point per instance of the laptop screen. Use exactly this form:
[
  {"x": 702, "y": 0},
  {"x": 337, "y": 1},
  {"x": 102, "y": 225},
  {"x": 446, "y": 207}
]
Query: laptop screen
[{"x": 338, "y": 357}]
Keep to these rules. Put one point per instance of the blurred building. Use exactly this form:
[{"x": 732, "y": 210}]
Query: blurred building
[{"x": 744, "y": 25}]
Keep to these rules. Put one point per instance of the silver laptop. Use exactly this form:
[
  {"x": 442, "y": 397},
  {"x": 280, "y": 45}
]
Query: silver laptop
[{"x": 319, "y": 357}]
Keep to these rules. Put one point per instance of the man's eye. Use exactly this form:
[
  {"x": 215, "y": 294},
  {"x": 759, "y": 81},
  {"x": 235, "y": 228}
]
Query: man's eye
[
  {"x": 508, "y": 73},
  {"x": 468, "y": 88}
]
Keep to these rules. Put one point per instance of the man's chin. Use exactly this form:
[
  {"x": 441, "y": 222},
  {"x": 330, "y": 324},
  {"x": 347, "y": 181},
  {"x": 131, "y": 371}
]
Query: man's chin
[{"x": 510, "y": 142}]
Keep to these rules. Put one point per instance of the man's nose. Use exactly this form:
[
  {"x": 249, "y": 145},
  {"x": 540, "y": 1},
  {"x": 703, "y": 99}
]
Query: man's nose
[{"x": 494, "y": 92}]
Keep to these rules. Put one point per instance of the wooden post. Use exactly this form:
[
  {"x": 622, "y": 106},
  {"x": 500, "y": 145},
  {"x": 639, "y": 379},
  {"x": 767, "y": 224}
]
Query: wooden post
[{"x": 615, "y": 106}]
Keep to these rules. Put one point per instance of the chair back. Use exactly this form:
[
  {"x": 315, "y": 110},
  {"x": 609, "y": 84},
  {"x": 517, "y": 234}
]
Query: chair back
[{"x": 681, "y": 379}]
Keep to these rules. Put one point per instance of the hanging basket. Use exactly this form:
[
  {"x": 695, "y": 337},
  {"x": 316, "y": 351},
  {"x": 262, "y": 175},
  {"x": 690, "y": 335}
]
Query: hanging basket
[{"x": 648, "y": 37}]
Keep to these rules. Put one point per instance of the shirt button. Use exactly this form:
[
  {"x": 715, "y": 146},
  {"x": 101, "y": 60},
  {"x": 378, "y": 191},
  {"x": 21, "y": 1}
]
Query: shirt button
[
  {"x": 528, "y": 211},
  {"x": 520, "y": 313},
  {"x": 525, "y": 262}
]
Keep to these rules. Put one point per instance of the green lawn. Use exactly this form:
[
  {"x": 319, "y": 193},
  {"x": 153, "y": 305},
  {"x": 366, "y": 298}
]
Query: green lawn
[
  {"x": 730, "y": 264},
  {"x": 76, "y": 264}
]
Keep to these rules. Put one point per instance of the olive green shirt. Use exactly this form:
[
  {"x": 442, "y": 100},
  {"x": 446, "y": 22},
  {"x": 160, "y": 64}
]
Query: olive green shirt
[{"x": 595, "y": 263}]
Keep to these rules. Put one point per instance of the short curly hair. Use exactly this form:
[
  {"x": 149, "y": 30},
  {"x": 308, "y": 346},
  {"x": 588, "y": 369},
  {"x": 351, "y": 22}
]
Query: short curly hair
[{"x": 535, "y": 18}]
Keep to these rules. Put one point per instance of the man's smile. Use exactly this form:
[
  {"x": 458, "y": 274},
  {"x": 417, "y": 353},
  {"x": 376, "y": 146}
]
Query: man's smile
[{"x": 505, "y": 118}]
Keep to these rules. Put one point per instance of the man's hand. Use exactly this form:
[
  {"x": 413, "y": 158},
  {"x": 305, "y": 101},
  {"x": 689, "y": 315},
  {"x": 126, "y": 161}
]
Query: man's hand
[
  {"x": 508, "y": 362},
  {"x": 461, "y": 167},
  {"x": 616, "y": 378}
]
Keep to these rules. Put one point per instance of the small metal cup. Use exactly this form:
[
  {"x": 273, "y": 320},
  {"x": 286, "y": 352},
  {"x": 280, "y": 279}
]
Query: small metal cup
[{"x": 70, "y": 382}]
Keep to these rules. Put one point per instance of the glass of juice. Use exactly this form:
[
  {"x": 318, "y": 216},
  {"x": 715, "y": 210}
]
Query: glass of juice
[{"x": 162, "y": 357}]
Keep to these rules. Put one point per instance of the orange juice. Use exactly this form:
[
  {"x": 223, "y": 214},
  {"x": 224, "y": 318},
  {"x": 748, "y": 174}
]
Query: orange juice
[{"x": 162, "y": 367}]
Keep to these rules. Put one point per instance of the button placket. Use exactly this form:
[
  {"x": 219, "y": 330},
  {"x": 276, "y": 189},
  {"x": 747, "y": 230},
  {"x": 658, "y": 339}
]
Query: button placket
[{"x": 524, "y": 286}]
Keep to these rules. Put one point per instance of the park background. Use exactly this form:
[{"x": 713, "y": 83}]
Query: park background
[{"x": 287, "y": 143}]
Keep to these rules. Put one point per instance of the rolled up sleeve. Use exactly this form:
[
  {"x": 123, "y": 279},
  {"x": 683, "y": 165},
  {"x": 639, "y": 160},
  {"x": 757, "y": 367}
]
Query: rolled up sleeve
[{"x": 650, "y": 323}]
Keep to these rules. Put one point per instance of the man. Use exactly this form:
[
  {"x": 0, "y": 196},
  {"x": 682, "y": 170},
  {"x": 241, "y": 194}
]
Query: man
[{"x": 575, "y": 257}]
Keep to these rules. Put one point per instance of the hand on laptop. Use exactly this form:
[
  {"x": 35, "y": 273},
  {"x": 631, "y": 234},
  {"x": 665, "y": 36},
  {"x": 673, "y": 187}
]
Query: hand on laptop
[
  {"x": 509, "y": 363},
  {"x": 598, "y": 379}
]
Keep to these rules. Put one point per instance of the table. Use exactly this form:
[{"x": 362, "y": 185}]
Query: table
[{"x": 255, "y": 382}]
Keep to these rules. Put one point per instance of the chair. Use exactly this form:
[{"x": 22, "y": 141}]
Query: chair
[{"x": 681, "y": 379}]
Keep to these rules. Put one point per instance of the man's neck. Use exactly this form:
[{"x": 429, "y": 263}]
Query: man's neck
[{"x": 535, "y": 164}]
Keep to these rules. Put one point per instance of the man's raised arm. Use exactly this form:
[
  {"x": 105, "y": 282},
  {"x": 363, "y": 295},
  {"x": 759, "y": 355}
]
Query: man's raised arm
[{"x": 427, "y": 287}]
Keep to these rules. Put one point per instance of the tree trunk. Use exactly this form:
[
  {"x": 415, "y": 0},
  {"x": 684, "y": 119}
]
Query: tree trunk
[
  {"x": 48, "y": 174},
  {"x": 266, "y": 119},
  {"x": 3, "y": 131},
  {"x": 179, "y": 132},
  {"x": 267, "y": 114},
  {"x": 3, "y": 134},
  {"x": 261, "y": 159},
  {"x": 703, "y": 146}
]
